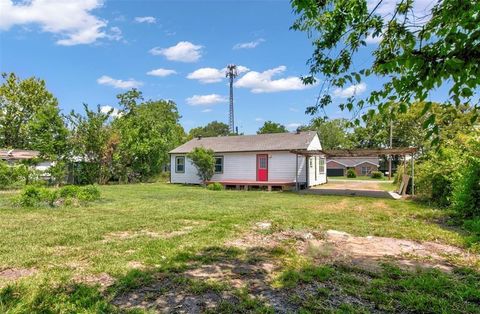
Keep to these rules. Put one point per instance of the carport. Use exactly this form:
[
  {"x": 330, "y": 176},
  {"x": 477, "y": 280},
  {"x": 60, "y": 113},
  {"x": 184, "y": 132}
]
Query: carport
[{"x": 404, "y": 152}]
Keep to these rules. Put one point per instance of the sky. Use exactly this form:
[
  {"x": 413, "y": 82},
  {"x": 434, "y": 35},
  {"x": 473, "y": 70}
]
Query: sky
[{"x": 88, "y": 51}]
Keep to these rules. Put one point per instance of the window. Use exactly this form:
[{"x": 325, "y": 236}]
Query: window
[
  {"x": 321, "y": 168},
  {"x": 316, "y": 168},
  {"x": 262, "y": 160},
  {"x": 180, "y": 164},
  {"x": 366, "y": 170},
  {"x": 218, "y": 164}
]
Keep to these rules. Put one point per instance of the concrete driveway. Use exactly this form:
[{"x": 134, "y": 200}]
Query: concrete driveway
[{"x": 369, "y": 188}]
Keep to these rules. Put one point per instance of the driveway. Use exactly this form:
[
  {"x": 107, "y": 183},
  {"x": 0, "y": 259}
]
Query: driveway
[{"x": 369, "y": 188}]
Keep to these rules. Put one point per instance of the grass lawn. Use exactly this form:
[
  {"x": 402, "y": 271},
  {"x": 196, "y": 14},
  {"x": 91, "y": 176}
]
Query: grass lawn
[{"x": 143, "y": 242}]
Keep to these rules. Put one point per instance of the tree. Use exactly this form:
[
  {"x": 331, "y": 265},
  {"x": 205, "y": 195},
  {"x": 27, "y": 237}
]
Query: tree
[
  {"x": 333, "y": 134},
  {"x": 90, "y": 134},
  {"x": 272, "y": 127},
  {"x": 30, "y": 117},
  {"x": 212, "y": 129},
  {"x": 146, "y": 134},
  {"x": 203, "y": 159},
  {"x": 415, "y": 54}
]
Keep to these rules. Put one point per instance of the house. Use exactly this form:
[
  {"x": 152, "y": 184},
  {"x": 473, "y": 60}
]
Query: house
[
  {"x": 267, "y": 160},
  {"x": 363, "y": 166},
  {"x": 14, "y": 155}
]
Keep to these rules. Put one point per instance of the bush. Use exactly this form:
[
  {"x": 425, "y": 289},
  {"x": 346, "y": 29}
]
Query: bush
[
  {"x": 31, "y": 196},
  {"x": 89, "y": 193},
  {"x": 351, "y": 173},
  {"x": 376, "y": 175},
  {"x": 466, "y": 190},
  {"x": 69, "y": 191},
  {"x": 215, "y": 186},
  {"x": 204, "y": 161},
  {"x": 69, "y": 195}
]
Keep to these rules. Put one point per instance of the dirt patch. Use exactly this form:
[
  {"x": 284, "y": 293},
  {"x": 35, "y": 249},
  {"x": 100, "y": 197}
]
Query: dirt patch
[
  {"x": 218, "y": 274},
  {"x": 367, "y": 252},
  {"x": 203, "y": 287},
  {"x": 370, "y": 251},
  {"x": 104, "y": 280},
  {"x": 12, "y": 274}
]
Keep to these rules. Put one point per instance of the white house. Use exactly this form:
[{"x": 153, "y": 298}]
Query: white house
[{"x": 271, "y": 160}]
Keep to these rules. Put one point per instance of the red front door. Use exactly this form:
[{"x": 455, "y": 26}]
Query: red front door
[{"x": 262, "y": 167}]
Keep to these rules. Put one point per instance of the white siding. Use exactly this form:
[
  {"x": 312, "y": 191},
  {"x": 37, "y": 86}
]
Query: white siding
[
  {"x": 315, "y": 144},
  {"x": 314, "y": 166},
  {"x": 243, "y": 166}
]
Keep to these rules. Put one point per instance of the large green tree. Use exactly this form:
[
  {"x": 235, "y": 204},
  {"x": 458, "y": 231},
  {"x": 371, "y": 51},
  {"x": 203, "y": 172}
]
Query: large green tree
[
  {"x": 30, "y": 117},
  {"x": 416, "y": 53},
  {"x": 90, "y": 135},
  {"x": 272, "y": 127},
  {"x": 214, "y": 128},
  {"x": 332, "y": 133},
  {"x": 147, "y": 133}
]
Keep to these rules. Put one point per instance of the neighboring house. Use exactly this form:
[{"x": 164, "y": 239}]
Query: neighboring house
[
  {"x": 363, "y": 166},
  {"x": 13, "y": 156},
  {"x": 255, "y": 160}
]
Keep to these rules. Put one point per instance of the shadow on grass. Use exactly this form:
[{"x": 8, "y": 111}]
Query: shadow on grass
[{"x": 257, "y": 280}]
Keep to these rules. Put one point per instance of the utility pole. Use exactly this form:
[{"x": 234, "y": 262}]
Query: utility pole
[
  {"x": 390, "y": 156},
  {"x": 231, "y": 74}
]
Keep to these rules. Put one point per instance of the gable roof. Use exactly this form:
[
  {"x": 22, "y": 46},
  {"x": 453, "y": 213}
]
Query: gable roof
[
  {"x": 250, "y": 143},
  {"x": 355, "y": 161}
]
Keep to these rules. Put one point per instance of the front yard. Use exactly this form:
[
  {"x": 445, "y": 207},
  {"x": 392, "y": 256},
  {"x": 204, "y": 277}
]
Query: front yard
[{"x": 163, "y": 247}]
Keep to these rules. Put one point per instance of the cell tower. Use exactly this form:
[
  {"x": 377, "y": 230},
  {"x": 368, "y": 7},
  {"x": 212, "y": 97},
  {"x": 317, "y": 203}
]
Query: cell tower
[{"x": 231, "y": 73}]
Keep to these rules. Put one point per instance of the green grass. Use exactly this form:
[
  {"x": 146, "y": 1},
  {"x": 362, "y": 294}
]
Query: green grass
[{"x": 165, "y": 227}]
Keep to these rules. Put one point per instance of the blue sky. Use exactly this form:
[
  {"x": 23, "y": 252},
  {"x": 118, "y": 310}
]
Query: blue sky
[{"x": 88, "y": 51}]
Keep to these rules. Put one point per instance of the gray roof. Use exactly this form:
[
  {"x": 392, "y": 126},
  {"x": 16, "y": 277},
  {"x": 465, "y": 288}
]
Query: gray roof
[
  {"x": 354, "y": 161},
  {"x": 249, "y": 143}
]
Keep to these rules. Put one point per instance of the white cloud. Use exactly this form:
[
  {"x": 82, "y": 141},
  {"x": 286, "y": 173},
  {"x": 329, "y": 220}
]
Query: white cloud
[
  {"x": 71, "y": 20},
  {"x": 293, "y": 125},
  {"x": 249, "y": 45},
  {"x": 115, "y": 112},
  {"x": 205, "y": 100},
  {"x": 107, "y": 80},
  {"x": 115, "y": 33},
  {"x": 292, "y": 109},
  {"x": 262, "y": 82},
  {"x": 212, "y": 75},
  {"x": 373, "y": 40},
  {"x": 184, "y": 51},
  {"x": 259, "y": 119},
  {"x": 161, "y": 72},
  {"x": 207, "y": 110},
  {"x": 146, "y": 19},
  {"x": 356, "y": 89}
]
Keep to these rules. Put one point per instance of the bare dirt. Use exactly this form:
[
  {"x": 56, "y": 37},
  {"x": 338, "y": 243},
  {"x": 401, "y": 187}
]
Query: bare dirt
[{"x": 12, "y": 274}]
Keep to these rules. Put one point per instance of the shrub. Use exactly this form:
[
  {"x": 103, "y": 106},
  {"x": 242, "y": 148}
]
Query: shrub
[
  {"x": 31, "y": 196},
  {"x": 466, "y": 190},
  {"x": 89, "y": 193},
  {"x": 376, "y": 175},
  {"x": 69, "y": 191},
  {"x": 215, "y": 186},
  {"x": 69, "y": 196},
  {"x": 204, "y": 161},
  {"x": 351, "y": 173}
]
